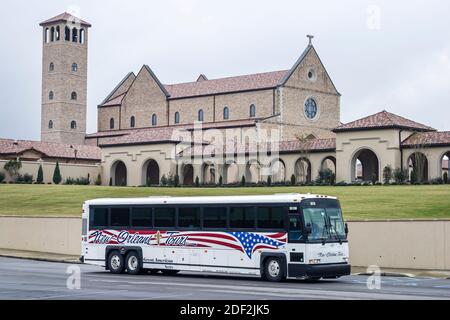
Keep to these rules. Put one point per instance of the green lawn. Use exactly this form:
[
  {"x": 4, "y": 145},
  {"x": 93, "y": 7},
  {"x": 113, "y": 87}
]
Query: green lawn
[{"x": 378, "y": 202}]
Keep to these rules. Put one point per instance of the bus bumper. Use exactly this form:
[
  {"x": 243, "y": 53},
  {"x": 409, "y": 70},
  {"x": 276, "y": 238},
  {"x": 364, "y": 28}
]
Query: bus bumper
[
  {"x": 319, "y": 270},
  {"x": 81, "y": 259}
]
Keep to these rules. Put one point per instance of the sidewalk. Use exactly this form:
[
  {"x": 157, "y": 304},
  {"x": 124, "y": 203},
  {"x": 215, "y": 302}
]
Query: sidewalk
[{"x": 39, "y": 256}]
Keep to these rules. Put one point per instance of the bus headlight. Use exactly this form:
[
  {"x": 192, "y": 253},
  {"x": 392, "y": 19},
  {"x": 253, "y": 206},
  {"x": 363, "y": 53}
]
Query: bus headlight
[
  {"x": 345, "y": 259},
  {"x": 314, "y": 261}
]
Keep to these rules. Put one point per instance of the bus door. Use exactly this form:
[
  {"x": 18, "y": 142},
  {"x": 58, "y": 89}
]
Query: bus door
[{"x": 296, "y": 240}]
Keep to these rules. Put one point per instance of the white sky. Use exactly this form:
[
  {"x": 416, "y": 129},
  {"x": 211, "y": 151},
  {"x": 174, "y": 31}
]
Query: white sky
[{"x": 399, "y": 62}]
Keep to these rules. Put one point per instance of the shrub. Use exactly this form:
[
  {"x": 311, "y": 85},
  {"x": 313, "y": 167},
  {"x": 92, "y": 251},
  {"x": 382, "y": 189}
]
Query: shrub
[
  {"x": 197, "y": 182},
  {"x": 387, "y": 174},
  {"x": 78, "y": 181},
  {"x": 13, "y": 167},
  {"x": 243, "y": 181},
  {"x": 98, "y": 182},
  {"x": 400, "y": 176},
  {"x": 40, "y": 175},
  {"x": 326, "y": 177},
  {"x": 413, "y": 177},
  {"x": 24, "y": 179},
  {"x": 57, "y": 174},
  {"x": 176, "y": 180},
  {"x": 2, "y": 177},
  {"x": 164, "y": 180},
  {"x": 269, "y": 180},
  {"x": 220, "y": 181},
  {"x": 110, "y": 182},
  {"x": 293, "y": 180},
  {"x": 445, "y": 177}
]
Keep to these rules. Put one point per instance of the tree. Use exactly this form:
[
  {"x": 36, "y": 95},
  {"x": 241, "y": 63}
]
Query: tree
[
  {"x": 293, "y": 180},
  {"x": 445, "y": 177},
  {"x": 164, "y": 180},
  {"x": 110, "y": 182},
  {"x": 57, "y": 174},
  {"x": 220, "y": 181},
  {"x": 176, "y": 180},
  {"x": 400, "y": 176},
  {"x": 98, "y": 182},
  {"x": 40, "y": 175},
  {"x": 243, "y": 181},
  {"x": 2, "y": 177},
  {"x": 387, "y": 174},
  {"x": 269, "y": 180},
  {"x": 197, "y": 182},
  {"x": 13, "y": 167}
]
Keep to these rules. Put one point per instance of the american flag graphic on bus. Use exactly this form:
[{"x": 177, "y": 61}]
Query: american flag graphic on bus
[{"x": 245, "y": 242}]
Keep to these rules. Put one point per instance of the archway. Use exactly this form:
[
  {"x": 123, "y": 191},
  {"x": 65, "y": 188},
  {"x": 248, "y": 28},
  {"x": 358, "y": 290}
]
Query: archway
[
  {"x": 329, "y": 163},
  {"x": 209, "y": 173},
  {"x": 365, "y": 166},
  {"x": 231, "y": 173},
  {"x": 418, "y": 167},
  {"x": 188, "y": 175},
  {"x": 445, "y": 162},
  {"x": 151, "y": 173},
  {"x": 119, "y": 174},
  {"x": 278, "y": 171},
  {"x": 303, "y": 170},
  {"x": 253, "y": 172}
]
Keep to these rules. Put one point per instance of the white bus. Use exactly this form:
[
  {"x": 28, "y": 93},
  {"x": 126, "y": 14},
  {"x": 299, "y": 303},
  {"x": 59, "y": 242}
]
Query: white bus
[{"x": 274, "y": 236}]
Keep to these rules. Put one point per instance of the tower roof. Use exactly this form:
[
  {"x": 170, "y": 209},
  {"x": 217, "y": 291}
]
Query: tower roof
[{"x": 65, "y": 17}]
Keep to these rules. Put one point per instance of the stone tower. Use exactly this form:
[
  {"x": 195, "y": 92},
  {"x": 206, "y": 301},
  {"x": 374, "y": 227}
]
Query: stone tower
[{"x": 64, "y": 79}]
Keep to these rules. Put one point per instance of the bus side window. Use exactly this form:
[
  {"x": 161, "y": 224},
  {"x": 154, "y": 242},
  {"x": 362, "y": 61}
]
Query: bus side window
[
  {"x": 120, "y": 217},
  {"x": 165, "y": 217},
  {"x": 270, "y": 217},
  {"x": 215, "y": 218},
  {"x": 98, "y": 218},
  {"x": 142, "y": 217},
  {"x": 242, "y": 217},
  {"x": 295, "y": 229},
  {"x": 189, "y": 217}
]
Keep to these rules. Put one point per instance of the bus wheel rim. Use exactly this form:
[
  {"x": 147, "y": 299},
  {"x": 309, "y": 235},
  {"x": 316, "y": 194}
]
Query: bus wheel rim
[
  {"x": 115, "y": 262},
  {"x": 133, "y": 263},
  {"x": 274, "y": 268}
]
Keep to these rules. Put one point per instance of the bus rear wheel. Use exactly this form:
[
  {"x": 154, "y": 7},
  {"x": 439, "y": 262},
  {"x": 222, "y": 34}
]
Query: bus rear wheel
[
  {"x": 133, "y": 263},
  {"x": 273, "y": 270},
  {"x": 116, "y": 262}
]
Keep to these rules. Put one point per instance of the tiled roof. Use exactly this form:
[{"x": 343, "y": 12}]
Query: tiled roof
[
  {"x": 64, "y": 17},
  {"x": 115, "y": 101},
  {"x": 226, "y": 85},
  {"x": 383, "y": 120},
  {"x": 161, "y": 134},
  {"x": 50, "y": 150},
  {"x": 428, "y": 139},
  {"x": 310, "y": 145}
]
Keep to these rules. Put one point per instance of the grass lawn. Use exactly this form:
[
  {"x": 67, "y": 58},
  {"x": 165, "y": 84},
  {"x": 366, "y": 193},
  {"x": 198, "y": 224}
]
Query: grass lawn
[{"x": 377, "y": 202}]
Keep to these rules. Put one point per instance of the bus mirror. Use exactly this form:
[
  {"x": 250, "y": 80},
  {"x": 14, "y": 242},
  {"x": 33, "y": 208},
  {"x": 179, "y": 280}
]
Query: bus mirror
[
  {"x": 346, "y": 228},
  {"x": 308, "y": 229}
]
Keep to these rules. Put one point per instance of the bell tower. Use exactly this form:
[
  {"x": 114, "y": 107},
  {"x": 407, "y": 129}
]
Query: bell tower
[{"x": 64, "y": 79}]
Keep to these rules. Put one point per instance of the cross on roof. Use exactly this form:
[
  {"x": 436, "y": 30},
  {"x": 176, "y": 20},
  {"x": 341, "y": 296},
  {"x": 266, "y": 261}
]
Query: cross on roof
[{"x": 310, "y": 37}]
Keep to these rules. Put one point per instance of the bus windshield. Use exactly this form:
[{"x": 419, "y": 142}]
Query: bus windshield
[{"x": 325, "y": 220}]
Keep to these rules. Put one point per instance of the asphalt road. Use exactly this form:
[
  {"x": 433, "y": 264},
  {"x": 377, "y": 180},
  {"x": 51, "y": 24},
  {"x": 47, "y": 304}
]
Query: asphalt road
[{"x": 26, "y": 279}]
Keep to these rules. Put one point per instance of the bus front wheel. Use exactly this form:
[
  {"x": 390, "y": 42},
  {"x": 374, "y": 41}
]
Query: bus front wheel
[
  {"x": 116, "y": 262},
  {"x": 133, "y": 263},
  {"x": 273, "y": 270}
]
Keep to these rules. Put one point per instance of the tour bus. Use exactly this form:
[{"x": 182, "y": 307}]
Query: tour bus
[{"x": 271, "y": 236}]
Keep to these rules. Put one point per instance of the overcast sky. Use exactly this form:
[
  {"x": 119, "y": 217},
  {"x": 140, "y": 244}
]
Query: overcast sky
[{"x": 392, "y": 55}]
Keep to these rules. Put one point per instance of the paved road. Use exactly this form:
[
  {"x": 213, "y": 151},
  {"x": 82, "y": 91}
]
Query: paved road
[{"x": 26, "y": 279}]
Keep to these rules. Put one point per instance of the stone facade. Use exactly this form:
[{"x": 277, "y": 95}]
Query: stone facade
[{"x": 64, "y": 81}]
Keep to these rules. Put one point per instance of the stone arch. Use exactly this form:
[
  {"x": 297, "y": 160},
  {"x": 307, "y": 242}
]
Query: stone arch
[
  {"x": 303, "y": 170},
  {"x": 365, "y": 165},
  {"x": 231, "y": 172},
  {"x": 74, "y": 35},
  {"x": 119, "y": 174},
  {"x": 418, "y": 167},
  {"x": 209, "y": 173},
  {"x": 253, "y": 171},
  {"x": 187, "y": 173},
  {"x": 151, "y": 173},
  {"x": 328, "y": 163},
  {"x": 278, "y": 170},
  {"x": 444, "y": 162}
]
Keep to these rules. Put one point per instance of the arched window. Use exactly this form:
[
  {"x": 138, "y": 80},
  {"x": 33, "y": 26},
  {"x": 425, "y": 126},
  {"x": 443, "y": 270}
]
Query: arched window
[
  {"x": 51, "y": 95},
  {"x": 154, "y": 120},
  {"x": 111, "y": 123},
  {"x": 74, "y": 35},
  {"x": 82, "y": 35},
  {"x": 73, "y": 125},
  {"x": 200, "y": 115},
  {"x": 47, "y": 35},
  {"x": 226, "y": 113},
  {"x": 67, "y": 34},
  {"x": 73, "y": 96},
  {"x": 52, "y": 34},
  {"x": 252, "y": 111},
  {"x": 50, "y": 124},
  {"x": 51, "y": 66},
  {"x": 177, "y": 117},
  {"x": 74, "y": 67},
  {"x": 58, "y": 33},
  {"x": 132, "y": 122}
]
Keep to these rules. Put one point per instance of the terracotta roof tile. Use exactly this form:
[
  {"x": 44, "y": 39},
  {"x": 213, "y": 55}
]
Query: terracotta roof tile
[
  {"x": 428, "y": 139},
  {"x": 383, "y": 120},
  {"x": 50, "y": 150},
  {"x": 65, "y": 17}
]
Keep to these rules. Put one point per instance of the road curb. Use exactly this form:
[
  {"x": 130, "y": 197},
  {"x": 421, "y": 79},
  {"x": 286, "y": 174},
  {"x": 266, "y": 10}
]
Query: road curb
[{"x": 41, "y": 259}]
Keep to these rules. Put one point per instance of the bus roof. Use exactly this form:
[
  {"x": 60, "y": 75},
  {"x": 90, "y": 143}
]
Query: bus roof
[{"x": 276, "y": 198}]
